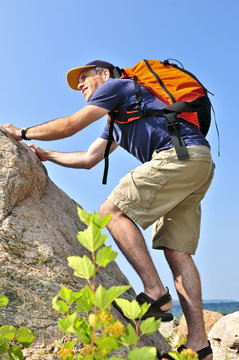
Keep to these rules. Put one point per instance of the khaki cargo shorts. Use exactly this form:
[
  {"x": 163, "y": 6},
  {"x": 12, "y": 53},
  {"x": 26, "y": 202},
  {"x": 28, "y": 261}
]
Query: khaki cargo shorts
[{"x": 167, "y": 192}]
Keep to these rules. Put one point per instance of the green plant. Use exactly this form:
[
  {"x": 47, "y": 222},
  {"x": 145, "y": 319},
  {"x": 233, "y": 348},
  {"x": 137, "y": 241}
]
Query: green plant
[
  {"x": 186, "y": 354},
  {"x": 100, "y": 333},
  {"x": 10, "y": 337}
]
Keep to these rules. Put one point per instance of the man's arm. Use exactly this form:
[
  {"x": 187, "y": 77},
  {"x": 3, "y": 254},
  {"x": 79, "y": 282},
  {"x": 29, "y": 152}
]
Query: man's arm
[
  {"x": 81, "y": 160},
  {"x": 62, "y": 127}
]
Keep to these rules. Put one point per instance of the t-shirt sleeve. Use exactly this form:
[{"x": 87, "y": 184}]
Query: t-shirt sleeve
[
  {"x": 105, "y": 133},
  {"x": 109, "y": 95}
]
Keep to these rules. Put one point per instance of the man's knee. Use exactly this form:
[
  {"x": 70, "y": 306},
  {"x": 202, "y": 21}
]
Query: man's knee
[
  {"x": 174, "y": 256},
  {"x": 107, "y": 207}
]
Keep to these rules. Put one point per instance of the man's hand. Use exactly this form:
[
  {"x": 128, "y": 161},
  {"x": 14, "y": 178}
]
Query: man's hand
[
  {"x": 76, "y": 160},
  {"x": 42, "y": 154},
  {"x": 13, "y": 131}
]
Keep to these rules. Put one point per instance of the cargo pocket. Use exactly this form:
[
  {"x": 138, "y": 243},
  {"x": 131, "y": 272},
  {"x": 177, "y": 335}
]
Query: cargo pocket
[{"x": 146, "y": 182}]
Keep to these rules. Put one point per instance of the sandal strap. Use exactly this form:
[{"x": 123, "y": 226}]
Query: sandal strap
[
  {"x": 181, "y": 348},
  {"x": 205, "y": 351},
  {"x": 201, "y": 353},
  {"x": 142, "y": 298}
]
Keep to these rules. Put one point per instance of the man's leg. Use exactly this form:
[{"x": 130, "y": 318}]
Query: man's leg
[
  {"x": 131, "y": 242},
  {"x": 188, "y": 286}
]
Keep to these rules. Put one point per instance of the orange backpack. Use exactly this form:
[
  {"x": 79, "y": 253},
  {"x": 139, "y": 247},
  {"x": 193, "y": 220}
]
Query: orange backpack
[{"x": 183, "y": 94}]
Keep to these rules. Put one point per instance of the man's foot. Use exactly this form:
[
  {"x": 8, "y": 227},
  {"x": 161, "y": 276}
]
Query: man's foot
[
  {"x": 158, "y": 307},
  {"x": 203, "y": 354},
  {"x": 155, "y": 308}
]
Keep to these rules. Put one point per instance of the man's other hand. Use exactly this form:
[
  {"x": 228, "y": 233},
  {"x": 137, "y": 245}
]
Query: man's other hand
[
  {"x": 42, "y": 154},
  {"x": 13, "y": 131}
]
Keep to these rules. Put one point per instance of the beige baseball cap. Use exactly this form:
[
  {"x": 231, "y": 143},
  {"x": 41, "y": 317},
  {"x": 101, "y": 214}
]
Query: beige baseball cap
[{"x": 74, "y": 74}]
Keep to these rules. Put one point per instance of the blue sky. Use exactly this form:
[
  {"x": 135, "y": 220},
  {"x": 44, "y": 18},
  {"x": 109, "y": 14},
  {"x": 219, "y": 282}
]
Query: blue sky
[{"x": 41, "y": 40}]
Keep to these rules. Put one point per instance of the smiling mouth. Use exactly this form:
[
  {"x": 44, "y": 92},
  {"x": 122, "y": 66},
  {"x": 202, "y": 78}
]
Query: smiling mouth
[{"x": 84, "y": 90}]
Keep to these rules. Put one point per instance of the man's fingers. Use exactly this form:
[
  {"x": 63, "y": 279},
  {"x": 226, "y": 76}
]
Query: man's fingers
[
  {"x": 33, "y": 147},
  {"x": 38, "y": 151}
]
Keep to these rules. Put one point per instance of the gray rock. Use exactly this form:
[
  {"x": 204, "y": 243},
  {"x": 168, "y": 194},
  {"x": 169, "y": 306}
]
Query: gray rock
[
  {"x": 224, "y": 337},
  {"x": 38, "y": 227}
]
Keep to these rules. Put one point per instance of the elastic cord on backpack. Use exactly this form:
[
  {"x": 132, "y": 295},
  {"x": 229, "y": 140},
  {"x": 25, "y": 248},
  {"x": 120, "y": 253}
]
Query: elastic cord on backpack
[{"x": 218, "y": 134}]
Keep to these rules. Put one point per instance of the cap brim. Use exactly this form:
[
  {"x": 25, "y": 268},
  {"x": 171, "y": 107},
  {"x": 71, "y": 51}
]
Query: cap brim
[{"x": 74, "y": 74}]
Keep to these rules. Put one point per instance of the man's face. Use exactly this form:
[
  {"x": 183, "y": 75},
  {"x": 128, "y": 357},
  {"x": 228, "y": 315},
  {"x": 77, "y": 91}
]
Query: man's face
[{"x": 89, "y": 81}]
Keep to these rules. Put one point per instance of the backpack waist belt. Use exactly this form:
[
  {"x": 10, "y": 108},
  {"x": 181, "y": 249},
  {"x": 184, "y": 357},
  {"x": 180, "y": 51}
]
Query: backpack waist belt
[{"x": 172, "y": 122}]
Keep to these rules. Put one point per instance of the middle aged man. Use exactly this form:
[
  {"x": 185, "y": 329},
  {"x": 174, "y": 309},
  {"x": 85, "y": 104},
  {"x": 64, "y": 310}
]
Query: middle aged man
[{"x": 163, "y": 191}]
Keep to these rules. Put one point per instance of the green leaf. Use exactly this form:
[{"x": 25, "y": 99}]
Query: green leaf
[
  {"x": 83, "y": 331},
  {"x": 143, "y": 353},
  {"x": 5, "y": 357},
  {"x": 59, "y": 306},
  {"x": 107, "y": 344},
  {"x": 64, "y": 292},
  {"x": 7, "y": 334},
  {"x": 144, "y": 308},
  {"x": 91, "y": 238},
  {"x": 85, "y": 302},
  {"x": 74, "y": 296},
  {"x": 83, "y": 267},
  {"x": 3, "y": 300},
  {"x": 71, "y": 343},
  {"x": 103, "y": 298},
  {"x": 84, "y": 216},
  {"x": 68, "y": 295},
  {"x": 99, "y": 324},
  {"x": 15, "y": 353},
  {"x": 130, "y": 337},
  {"x": 105, "y": 256},
  {"x": 99, "y": 221},
  {"x": 131, "y": 309},
  {"x": 3, "y": 348},
  {"x": 25, "y": 336},
  {"x": 150, "y": 325},
  {"x": 67, "y": 325}
]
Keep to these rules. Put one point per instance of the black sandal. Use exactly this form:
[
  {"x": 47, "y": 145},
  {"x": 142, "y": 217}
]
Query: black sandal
[
  {"x": 154, "y": 309},
  {"x": 201, "y": 353}
]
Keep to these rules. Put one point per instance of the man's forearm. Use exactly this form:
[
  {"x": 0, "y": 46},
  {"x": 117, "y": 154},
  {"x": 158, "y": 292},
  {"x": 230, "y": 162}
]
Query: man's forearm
[
  {"x": 76, "y": 160},
  {"x": 59, "y": 128},
  {"x": 79, "y": 160},
  {"x": 52, "y": 130}
]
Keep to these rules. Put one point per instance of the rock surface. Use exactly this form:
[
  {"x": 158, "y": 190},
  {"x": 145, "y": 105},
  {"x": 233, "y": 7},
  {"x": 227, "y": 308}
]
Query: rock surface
[
  {"x": 210, "y": 318},
  {"x": 222, "y": 331},
  {"x": 38, "y": 227},
  {"x": 224, "y": 337}
]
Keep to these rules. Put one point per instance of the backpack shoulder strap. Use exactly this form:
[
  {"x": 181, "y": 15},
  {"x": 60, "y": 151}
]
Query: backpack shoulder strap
[{"x": 107, "y": 149}]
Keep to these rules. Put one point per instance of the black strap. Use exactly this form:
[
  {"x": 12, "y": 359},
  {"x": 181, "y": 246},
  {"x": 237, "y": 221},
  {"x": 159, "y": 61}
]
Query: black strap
[
  {"x": 173, "y": 126},
  {"x": 205, "y": 351},
  {"x": 107, "y": 149},
  {"x": 137, "y": 91},
  {"x": 172, "y": 123}
]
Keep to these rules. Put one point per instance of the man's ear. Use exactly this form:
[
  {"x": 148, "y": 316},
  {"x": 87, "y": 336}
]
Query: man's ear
[{"x": 105, "y": 74}]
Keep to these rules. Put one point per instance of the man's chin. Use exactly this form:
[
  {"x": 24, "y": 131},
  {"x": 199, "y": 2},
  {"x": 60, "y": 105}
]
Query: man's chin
[{"x": 87, "y": 98}]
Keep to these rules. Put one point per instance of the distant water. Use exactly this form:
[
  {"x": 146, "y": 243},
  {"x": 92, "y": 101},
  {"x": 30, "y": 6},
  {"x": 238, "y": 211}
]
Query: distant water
[{"x": 222, "y": 306}]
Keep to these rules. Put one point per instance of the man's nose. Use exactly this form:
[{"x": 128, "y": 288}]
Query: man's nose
[{"x": 80, "y": 85}]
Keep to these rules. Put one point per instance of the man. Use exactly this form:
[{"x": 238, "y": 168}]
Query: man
[{"x": 163, "y": 191}]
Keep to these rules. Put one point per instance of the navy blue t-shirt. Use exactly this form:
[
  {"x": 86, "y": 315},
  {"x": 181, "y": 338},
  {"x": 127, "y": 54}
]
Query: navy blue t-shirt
[{"x": 140, "y": 137}]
